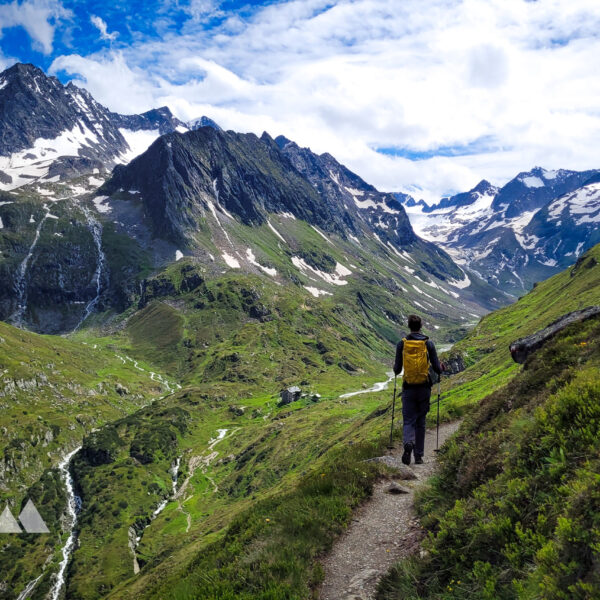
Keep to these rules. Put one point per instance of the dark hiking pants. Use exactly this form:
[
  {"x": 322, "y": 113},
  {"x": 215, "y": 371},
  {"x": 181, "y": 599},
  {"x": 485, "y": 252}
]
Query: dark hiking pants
[{"x": 415, "y": 406}]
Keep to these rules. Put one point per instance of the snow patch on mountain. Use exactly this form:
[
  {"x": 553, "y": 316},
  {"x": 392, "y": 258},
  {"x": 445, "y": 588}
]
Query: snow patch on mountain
[
  {"x": 33, "y": 163},
  {"x": 533, "y": 182},
  {"x": 585, "y": 201},
  {"x": 369, "y": 203},
  {"x": 231, "y": 261},
  {"x": 334, "y": 278},
  {"x": 252, "y": 260},
  {"x": 440, "y": 224},
  {"x": 316, "y": 292},
  {"x": 463, "y": 283},
  {"x": 276, "y": 232}
]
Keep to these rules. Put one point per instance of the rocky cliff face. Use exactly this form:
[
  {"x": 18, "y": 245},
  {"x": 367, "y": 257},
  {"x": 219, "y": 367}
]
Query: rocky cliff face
[
  {"x": 58, "y": 263},
  {"x": 182, "y": 176},
  {"x": 360, "y": 203}
]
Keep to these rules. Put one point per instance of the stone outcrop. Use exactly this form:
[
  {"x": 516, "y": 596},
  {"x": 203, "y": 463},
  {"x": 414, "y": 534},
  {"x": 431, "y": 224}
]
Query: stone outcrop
[{"x": 523, "y": 347}]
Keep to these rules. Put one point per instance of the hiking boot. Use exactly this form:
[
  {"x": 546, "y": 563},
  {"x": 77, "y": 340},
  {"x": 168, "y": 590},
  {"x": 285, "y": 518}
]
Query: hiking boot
[
  {"x": 408, "y": 448},
  {"x": 418, "y": 459}
]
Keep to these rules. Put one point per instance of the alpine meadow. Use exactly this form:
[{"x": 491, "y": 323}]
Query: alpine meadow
[{"x": 287, "y": 309}]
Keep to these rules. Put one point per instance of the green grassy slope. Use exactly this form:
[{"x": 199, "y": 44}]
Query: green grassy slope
[
  {"x": 53, "y": 392},
  {"x": 282, "y": 485},
  {"x": 514, "y": 511},
  {"x": 234, "y": 343},
  {"x": 485, "y": 349}
]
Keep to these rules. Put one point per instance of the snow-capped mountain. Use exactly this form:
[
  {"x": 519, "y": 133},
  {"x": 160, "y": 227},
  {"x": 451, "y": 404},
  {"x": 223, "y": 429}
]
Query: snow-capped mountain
[
  {"x": 49, "y": 131},
  {"x": 515, "y": 235},
  {"x": 567, "y": 226}
]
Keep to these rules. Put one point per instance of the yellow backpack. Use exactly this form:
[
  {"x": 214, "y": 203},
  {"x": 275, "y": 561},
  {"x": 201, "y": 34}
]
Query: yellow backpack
[{"x": 415, "y": 361}]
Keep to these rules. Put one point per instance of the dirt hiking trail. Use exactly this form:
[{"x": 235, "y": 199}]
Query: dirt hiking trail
[{"x": 382, "y": 531}]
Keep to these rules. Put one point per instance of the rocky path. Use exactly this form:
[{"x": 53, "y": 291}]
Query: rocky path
[{"x": 382, "y": 531}]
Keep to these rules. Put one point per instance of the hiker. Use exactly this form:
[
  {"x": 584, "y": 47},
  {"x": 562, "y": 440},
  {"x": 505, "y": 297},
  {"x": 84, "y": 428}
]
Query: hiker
[{"x": 415, "y": 353}]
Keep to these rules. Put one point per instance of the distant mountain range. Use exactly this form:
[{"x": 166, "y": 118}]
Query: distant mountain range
[
  {"x": 183, "y": 189},
  {"x": 521, "y": 233},
  {"x": 95, "y": 202}
]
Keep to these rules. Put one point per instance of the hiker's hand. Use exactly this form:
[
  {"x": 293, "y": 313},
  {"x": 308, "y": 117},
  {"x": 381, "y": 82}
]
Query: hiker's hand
[{"x": 444, "y": 367}]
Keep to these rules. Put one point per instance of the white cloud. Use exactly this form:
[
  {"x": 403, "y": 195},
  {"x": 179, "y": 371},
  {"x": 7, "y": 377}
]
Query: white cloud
[
  {"x": 363, "y": 74},
  {"x": 37, "y": 17},
  {"x": 111, "y": 81},
  {"x": 102, "y": 27},
  {"x": 203, "y": 9}
]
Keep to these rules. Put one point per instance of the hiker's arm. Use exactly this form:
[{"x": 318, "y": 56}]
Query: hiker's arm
[
  {"x": 398, "y": 361},
  {"x": 433, "y": 357}
]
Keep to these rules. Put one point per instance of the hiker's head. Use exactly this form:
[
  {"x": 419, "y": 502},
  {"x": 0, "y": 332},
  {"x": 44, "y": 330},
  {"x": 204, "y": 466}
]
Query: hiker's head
[{"x": 414, "y": 323}]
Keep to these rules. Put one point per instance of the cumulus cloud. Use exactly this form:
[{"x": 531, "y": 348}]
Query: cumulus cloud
[
  {"x": 510, "y": 83},
  {"x": 102, "y": 27},
  {"x": 111, "y": 81},
  {"x": 38, "y": 17}
]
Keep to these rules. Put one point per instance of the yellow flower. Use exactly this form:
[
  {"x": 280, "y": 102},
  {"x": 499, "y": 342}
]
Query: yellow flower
[{"x": 267, "y": 520}]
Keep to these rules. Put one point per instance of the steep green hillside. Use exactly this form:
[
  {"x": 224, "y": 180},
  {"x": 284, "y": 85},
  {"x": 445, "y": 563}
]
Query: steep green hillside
[
  {"x": 514, "y": 511},
  {"x": 485, "y": 349},
  {"x": 241, "y": 332},
  {"x": 53, "y": 392}
]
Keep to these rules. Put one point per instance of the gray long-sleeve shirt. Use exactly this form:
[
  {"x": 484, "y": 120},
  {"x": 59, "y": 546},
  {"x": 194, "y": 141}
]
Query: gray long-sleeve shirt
[{"x": 431, "y": 351}]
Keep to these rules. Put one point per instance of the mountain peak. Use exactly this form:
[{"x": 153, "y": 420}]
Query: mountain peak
[
  {"x": 20, "y": 69},
  {"x": 29, "y": 78},
  {"x": 484, "y": 187},
  {"x": 164, "y": 111},
  {"x": 282, "y": 141},
  {"x": 203, "y": 122}
]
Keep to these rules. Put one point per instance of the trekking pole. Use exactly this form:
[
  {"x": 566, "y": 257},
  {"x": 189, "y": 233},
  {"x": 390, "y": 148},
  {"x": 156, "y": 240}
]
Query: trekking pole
[
  {"x": 391, "y": 445},
  {"x": 437, "y": 439}
]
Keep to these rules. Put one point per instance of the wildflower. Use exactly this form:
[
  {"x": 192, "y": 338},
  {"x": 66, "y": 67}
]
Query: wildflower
[
  {"x": 268, "y": 520},
  {"x": 322, "y": 474}
]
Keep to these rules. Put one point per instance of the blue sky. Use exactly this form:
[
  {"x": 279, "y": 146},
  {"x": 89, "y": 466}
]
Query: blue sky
[
  {"x": 127, "y": 23},
  {"x": 424, "y": 96}
]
